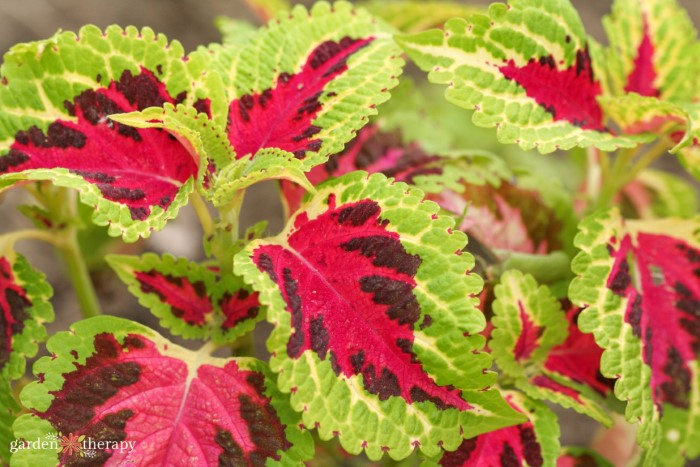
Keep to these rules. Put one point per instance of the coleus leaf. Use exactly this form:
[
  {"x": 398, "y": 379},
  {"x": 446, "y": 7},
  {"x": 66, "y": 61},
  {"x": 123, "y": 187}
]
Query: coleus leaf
[
  {"x": 658, "y": 194},
  {"x": 114, "y": 380},
  {"x": 377, "y": 151},
  {"x": 234, "y": 32},
  {"x": 266, "y": 10},
  {"x": 415, "y": 16},
  {"x": 652, "y": 50},
  {"x": 533, "y": 443},
  {"x": 639, "y": 282},
  {"x": 370, "y": 346},
  {"x": 308, "y": 96},
  {"x": 191, "y": 299},
  {"x": 24, "y": 308},
  {"x": 55, "y": 123},
  {"x": 524, "y": 69},
  {"x": 528, "y": 343}
]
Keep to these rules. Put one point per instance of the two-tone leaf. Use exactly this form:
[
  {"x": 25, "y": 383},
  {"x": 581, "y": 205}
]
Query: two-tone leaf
[
  {"x": 110, "y": 380},
  {"x": 639, "y": 282},
  {"x": 371, "y": 342},
  {"x": 191, "y": 299},
  {"x": 524, "y": 69},
  {"x": 533, "y": 443},
  {"x": 530, "y": 342},
  {"x": 24, "y": 308},
  {"x": 55, "y": 99}
]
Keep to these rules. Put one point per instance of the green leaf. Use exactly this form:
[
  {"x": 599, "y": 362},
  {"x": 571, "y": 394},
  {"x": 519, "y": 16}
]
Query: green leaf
[
  {"x": 234, "y": 33},
  {"x": 190, "y": 299},
  {"x": 528, "y": 323},
  {"x": 24, "y": 309},
  {"x": 652, "y": 50},
  {"x": 638, "y": 280},
  {"x": 414, "y": 16},
  {"x": 505, "y": 66},
  {"x": 266, "y": 10},
  {"x": 321, "y": 280},
  {"x": 658, "y": 194}
]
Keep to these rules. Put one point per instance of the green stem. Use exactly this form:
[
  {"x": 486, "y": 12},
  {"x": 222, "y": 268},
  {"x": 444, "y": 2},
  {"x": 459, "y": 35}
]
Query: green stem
[
  {"x": 226, "y": 233},
  {"x": 79, "y": 274},
  {"x": 200, "y": 208}
]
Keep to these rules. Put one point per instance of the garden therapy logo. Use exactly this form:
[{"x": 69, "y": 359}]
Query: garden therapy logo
[{"x": 72, "y": 445}]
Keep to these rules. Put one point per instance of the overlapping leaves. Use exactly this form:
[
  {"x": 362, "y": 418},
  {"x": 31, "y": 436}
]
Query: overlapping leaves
[
  {"x": 639, "y": 282},
  {"x": 112, "y": 380},
  {"x": 353, "y": 290}
]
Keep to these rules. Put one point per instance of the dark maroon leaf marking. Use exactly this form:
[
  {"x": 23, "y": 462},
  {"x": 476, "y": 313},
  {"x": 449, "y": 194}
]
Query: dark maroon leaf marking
[
  {"x": 513, "y": 446},
  {"x": 528, "y": 341},
  {"x": 239, "y": 307},
  {"x": 578, "y": 357},
  {"x": 569, "y": 94},
  {"x": 187, "y": 300},
  {"x": 13, "y": 305},
  {"x": 348, "y": 284},
  {"x": 373, "y": 151},
  {"x": 131, "y": 391},
  {"x": 140, "y": 168},
  {"x": 282, "y": 117},
  {"x": 664, "y": 311},
  {"x": 641, "y": 79}
]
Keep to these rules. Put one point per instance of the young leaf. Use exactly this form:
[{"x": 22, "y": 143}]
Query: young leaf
[
  {"x": 190, "y": 299},
  {"x": 55, "y": 123},
  {"x": 24, "y": 308},
  {"x": 533, "y": 443},
  {"x": 639, "y": 282},
  {"x": 657, "y": 194},
  {"x": 528, "y": 325},
  {"x": 524, "y": 69},
  {"x": 415, "y": 16},
  {"x": 308, "y": 96},
  {"x": 112, "y": 380},
  {"x": 368, "y": 340},
  {"x": 652, "y": 50}
]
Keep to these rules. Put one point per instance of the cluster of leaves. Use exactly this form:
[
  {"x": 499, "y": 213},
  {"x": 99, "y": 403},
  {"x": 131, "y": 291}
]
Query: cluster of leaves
[{"x": 580, "y": 283}]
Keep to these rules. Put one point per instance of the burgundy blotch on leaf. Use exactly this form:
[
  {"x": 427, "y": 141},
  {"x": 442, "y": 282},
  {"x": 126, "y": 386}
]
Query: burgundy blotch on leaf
[
  {"x": 140, "y": 168},
  {"x": 282, "y": 116},
  {"x": 13, "y": 305},
  {"x": 130, "y": 391},
  {"x": 348, "y": 282},
  {"x": 567, "y": 94},
  {"x": 664, "y": 312},
  {"x": 238, "y": 307}
]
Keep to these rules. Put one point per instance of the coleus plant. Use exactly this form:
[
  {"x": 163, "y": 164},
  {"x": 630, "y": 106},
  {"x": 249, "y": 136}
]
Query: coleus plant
[{"x": 434, "y": 293}]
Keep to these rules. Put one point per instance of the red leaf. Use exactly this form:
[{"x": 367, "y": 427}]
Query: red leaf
[
  {"x": 578, "y": 358},
  {"x": 529, "y": 336},
  {"x": 239, "y": 307},
  {"x": 641, "y": 79},
  {"x": 348, "y": 284},
  {"x": 663, "y": 307},
  {"x": 13, "y": 305},
  {"x": 282, "y": 116},
  {"x": 569, "y": 94},
  {"x": 140, "y": 168},
  {"x": 187, "y": 300},
  {"x": 131, "y": 391}
]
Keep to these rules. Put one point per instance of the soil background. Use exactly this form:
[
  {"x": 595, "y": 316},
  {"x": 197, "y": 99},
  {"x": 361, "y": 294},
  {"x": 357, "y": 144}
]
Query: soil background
[{"x": 192, "y": 23}]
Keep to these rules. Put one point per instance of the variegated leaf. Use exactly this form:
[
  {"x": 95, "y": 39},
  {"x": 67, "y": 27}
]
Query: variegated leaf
[
  {"x": 110, "y": 380},
  {"x": 639, "y": 282},
  {"x": 190, "y": 299},
  {"x": 372, "y": 346},
  {"x": 525, "y": 69}
]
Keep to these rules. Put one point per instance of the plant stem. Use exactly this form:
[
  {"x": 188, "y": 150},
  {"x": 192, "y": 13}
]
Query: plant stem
[
  {"x": 200, "y": 208},
  {"x": 79, "y": 274}
]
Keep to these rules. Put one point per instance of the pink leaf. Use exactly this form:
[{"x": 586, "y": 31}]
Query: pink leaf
[
  {"x": 187, "y": 300},
  {"x": 641, "y": 79},
  {"x": 282, "y": 116},
  {"x": 568, "y": 94},
  {"x": 140, "y": 168},
  {"x": 348, "y": 282}
]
